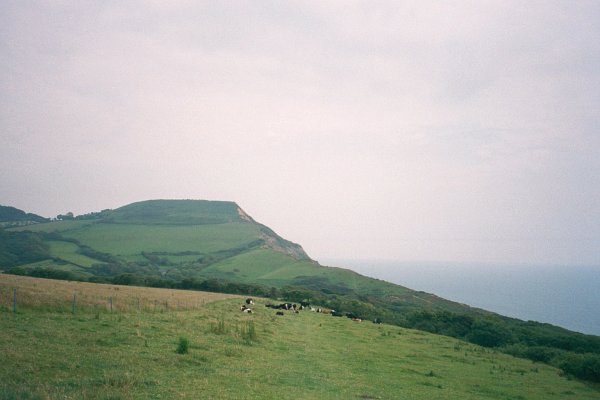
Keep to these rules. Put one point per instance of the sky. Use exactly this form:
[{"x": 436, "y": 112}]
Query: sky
[{"x": 459, "y": 131}]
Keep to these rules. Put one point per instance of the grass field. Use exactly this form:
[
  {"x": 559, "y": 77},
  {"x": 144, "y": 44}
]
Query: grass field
[
  {"x": 69, "y": 252},
  {"x": 130, "y": 240},
  {"x": 50, "y": 353}
]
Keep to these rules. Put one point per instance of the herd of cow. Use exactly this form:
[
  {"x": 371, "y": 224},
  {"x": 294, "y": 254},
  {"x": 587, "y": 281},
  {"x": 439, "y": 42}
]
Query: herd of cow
[{"x": 295, "y": 308}]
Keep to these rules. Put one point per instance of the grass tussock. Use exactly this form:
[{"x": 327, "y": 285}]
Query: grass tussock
[
  {"x": 248, "y": 332},
  {"x": 183, "y": 346}
]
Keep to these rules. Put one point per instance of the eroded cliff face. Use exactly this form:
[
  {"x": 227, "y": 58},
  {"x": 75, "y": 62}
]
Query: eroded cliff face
[
  {"x": 243, "y": 215},
  {"x": 275, "y": 242}
]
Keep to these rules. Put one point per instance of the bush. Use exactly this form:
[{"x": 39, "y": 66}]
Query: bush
[
  {"x": 582, "y": 366},
  {"x": 489, "y": 333},
  {"x": 183, "y": 346}
]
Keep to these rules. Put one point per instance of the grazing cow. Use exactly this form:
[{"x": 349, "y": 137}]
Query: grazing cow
[
  {"x": 245, "y": 309},
  {"x": 304, "y": 303},
  {"x": 377, "y": 321},
  {"x": 249, "y": 301},
  {"x": 279, "y": 313},
  {"x": 336, "y": 313},
  {"x": 357, "y": 319}
]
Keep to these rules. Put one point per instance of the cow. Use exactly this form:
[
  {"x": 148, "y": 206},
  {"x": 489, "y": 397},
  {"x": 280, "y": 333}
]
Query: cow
[
  {"x": 377, "y": 321},
  {"x": 245, "y": 309},
  {"x": 249, "y": 301}
]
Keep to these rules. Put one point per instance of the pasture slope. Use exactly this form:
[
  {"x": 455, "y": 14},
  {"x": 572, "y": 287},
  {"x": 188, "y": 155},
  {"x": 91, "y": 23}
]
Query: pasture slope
[{"x": 49, "y": 352}]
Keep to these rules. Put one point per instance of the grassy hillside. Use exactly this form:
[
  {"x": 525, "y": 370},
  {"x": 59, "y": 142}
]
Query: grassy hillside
[
  {"x": 50, "y": 353},
  {"x": 216, "y": 246}
]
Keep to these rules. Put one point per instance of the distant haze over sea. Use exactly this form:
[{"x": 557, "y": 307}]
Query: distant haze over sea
[{"x": 567, "y": 296}]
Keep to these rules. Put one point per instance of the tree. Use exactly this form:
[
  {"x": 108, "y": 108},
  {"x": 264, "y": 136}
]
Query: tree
[{"x": 65, "y": 217}]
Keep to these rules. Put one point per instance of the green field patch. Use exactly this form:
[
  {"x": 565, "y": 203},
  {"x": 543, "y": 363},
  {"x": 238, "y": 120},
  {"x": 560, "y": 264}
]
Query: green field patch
[
  {"x": 252, "y": 265},
  {"x": 55, "y": 226},
  {"x": 132, "y": 240},
  {"x": 70, "y": 252}
]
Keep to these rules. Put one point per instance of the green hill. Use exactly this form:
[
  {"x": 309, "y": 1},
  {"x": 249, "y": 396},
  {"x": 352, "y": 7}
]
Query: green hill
[
  {"x": 11, "y": 216},
  {"x": 216, "y": 246}
]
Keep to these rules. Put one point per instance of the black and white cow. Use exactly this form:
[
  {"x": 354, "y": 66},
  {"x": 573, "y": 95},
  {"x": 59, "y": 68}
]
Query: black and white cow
[{"x": 245, "y": 309}]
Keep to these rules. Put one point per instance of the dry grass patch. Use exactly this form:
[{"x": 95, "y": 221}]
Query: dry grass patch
[{"x": 49, "y": 293}]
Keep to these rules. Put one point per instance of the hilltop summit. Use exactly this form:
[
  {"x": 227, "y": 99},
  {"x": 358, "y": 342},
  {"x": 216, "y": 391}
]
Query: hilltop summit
[
  {"x": 199, "y": 212},
  {"x": 177, "y": 212}
]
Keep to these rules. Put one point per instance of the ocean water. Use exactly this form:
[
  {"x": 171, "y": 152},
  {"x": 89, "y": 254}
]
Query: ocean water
[{"x": 560, "y": 295}]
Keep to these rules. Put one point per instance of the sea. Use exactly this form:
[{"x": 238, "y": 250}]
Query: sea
[{"x": 567, "y": 296}]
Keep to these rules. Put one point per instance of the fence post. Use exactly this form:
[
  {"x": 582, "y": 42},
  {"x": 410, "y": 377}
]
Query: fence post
[
  {"x": 74, "y": 303},
  {"x": 15, "y": 300},
  {"x": 110, "y": 301}
]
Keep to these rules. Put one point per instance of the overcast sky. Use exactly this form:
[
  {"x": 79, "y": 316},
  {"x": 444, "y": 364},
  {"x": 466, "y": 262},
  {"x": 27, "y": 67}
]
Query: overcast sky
[{"x": 464, "y": 131}]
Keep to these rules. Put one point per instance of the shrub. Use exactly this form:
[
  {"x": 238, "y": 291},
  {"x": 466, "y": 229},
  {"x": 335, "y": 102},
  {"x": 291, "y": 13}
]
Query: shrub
[
  {"x": 183, "y": 346},
  {"x": 582, "y": 366}
]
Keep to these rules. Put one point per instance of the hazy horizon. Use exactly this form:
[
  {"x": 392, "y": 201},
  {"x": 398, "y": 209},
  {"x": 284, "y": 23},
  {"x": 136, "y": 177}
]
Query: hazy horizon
[
  {"x": 459, "y": 131},
  {"x": 559, "y": 294}
]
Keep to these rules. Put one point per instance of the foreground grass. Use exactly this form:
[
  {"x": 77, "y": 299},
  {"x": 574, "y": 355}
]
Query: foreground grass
[
  {"x": 137, "y": 352},
  {"x": 232, "y": 355}
]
